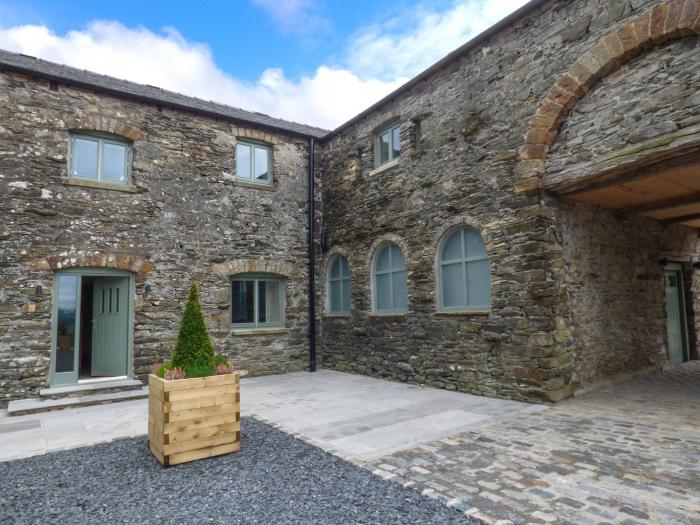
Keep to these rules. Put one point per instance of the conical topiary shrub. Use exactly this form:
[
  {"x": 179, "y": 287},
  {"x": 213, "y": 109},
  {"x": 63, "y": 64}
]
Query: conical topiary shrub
[{"x": 194, "y": 350}]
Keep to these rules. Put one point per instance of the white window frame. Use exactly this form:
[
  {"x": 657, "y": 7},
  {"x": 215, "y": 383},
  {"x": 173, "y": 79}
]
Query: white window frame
[
  {"x": 253, "y": 145},
  {"x": 101, "y": 140}
]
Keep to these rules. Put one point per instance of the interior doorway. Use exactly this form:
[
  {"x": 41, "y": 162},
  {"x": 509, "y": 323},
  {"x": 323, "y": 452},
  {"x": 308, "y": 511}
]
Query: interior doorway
[{"x": 92, "y": 326}]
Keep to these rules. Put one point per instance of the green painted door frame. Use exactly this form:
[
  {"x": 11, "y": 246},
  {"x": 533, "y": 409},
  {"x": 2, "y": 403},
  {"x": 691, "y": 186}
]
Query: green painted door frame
[
  {"x": 66, "y": 328},
  {"x": 676, "y": 315}
]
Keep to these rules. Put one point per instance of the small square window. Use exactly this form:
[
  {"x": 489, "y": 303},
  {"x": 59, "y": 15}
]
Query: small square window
[
  {"x": 388, "y": 144},
  {"x": 253, "y": 163},
  {"x": 101, "y": 159},
  {"x": 257, "y": 302}
]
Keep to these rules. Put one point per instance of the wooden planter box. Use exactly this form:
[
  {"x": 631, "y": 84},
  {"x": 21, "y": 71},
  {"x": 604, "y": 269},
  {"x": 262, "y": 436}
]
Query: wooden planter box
[{"x": 196, "y": 418}]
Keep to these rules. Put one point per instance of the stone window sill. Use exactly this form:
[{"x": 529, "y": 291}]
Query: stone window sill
[
  {"x": 388, "y": 314},
  {"x": 336, "y": 316},
  {"x": 128, "y": 188},
  {"x": 259, "y": 331},
  {"x": 466, "y": 313},
  {"x": 255, "y": 185},
  {"x": 384, "y": 167}
]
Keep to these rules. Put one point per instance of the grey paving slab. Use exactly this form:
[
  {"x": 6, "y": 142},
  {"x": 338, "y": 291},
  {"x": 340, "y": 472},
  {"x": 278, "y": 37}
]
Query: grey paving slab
[{"x": 358, "y": 417}]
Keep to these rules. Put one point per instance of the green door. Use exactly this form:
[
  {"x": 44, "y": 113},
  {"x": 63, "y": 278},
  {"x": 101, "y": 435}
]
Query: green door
[
  {"x": 675, "y": 315},
  {"x": 110, "y": 326}
]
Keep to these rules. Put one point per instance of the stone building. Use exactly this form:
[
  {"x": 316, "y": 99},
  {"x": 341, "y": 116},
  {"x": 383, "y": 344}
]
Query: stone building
[{"x": 519, "y": 220}]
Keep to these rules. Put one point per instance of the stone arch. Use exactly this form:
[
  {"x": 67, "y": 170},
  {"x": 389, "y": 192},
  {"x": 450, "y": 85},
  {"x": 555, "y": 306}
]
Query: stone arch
[
  {"x": 103, "y": 124},
  {"x": 668, "y": 21},
  {"x": 237, "y": 266},
  {"x": 94, "y": 259}
]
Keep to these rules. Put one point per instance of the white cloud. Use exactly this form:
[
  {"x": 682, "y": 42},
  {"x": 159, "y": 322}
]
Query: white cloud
[
  {"x": 299, "y": 17},
  {"x": 406, "y": 44},
  {"x": 378, "y": 60}
]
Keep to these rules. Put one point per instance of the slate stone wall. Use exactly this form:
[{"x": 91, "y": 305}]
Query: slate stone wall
[
  {"x": 473, "y": 117},
  {"x": 615, "y": 286},
  {"x": 184, "y": 219}
]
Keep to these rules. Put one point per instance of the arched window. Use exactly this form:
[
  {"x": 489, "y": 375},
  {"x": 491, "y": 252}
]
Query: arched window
[
  {"x": 464, "y": 272},
  {"x": 389, "y": 274},
  {"x": 339, "y": 286}
]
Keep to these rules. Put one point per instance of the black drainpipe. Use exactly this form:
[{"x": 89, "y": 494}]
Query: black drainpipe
[{"x": 312, "y": 260}]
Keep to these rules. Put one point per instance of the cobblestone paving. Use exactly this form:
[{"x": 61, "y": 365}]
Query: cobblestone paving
[{"x": 627, "y": 454}]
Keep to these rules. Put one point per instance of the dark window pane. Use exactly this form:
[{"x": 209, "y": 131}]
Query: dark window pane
[
  {"x": 242, "y": 302},
  {"x": 346, "y": 295},
  {"x": 397, "y": 260},
  {"x": 85, "y": 158},
  {"x": 383, "y": 262},
  {"x": 269, "y": 302},
  {"x": 262, "y": 171},
  {"x": 335, "y": 268},
  {"x": 384, "y": 140},
  {"x": 335, "y": 302},
  {"x": 67, "y": 302},
  {"x": 395, "y": 142},
  {"x": 243, "y": 161}
]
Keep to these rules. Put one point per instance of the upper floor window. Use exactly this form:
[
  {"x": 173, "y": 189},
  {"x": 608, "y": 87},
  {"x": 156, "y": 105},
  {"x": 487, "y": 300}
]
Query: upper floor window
[
  {"x": 257, "y": 301},
  {"x": 388, "y": 143},
  {"x": 389, "y": 275},
  {"x": 253, "y": 162},
  {"x": 100, "y": 158},
  {"x": 464, "y": 272},
  {"x": 339, "y": 286}
]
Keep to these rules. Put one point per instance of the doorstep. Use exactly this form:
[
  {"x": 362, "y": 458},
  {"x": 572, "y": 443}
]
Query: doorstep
[{"x": 36, "y": 405}]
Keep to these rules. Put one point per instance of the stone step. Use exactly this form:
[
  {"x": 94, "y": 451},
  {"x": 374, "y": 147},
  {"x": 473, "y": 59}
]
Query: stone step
[
  {"x": 45, "y": 404},
  {"x": 92, "y": 387}
]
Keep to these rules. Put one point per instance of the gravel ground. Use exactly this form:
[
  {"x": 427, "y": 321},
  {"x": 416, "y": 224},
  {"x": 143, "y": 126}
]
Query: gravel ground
[{"x": 275, "y": 478}]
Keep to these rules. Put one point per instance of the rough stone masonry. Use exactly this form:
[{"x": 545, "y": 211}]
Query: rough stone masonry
[{"x": 577, "y": 292}]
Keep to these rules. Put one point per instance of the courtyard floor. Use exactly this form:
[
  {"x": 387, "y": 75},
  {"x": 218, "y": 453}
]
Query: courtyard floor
[{"x": 626, "y": 453}]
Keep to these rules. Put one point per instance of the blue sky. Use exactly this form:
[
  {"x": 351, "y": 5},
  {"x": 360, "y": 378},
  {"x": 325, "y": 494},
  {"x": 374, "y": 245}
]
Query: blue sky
[{"x": 313, "y": 61}]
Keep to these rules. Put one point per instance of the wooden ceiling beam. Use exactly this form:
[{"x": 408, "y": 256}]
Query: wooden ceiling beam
[
  {"x": 616, "y": 179},
  {"x": 681, "y": 218},
  {"x": 667, "y": 204}
]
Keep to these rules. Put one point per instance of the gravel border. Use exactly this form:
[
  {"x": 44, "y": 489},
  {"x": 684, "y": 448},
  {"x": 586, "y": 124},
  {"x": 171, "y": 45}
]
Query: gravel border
[{"x": 275, "y": 478}]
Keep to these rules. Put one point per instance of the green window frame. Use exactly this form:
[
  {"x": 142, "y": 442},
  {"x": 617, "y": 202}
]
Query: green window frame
[
  {"x": 338, "y": 285},
  {"x": 388, "y": 144},
  {"x": 464, "y": 272},
  {"x": 250, "y": 157},
  {"x": 100, "y": 158},
  {"x": 389, "y": 280},
  {"x": 257, "y": 301}
]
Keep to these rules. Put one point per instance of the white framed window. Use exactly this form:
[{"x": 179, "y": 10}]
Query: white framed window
[
  {"x": 464, "y": 272},
  {"x": 257, "y": 301},
  {"x": 389, "y": 279},
  {"x": 388, "y": 144},
  {"x": 253, "y": 162},
  {"x": 339, "y": 286},
  {"x": 99, "y": 158}
]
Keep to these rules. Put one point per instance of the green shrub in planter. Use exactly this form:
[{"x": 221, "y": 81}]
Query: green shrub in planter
[{"x": 193, "y": 355}]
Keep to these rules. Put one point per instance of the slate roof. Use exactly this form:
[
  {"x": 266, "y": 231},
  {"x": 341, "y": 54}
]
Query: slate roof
[{"x": 145, "y": 93}]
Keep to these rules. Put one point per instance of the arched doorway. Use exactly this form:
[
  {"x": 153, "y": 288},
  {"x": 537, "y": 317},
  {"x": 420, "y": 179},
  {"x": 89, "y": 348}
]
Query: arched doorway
[{"x": 92, "y": 329}]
